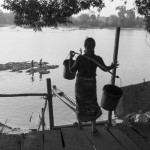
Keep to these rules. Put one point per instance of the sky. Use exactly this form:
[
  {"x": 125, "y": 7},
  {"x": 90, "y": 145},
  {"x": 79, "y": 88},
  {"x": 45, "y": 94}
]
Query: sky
[{"x": 109, "y": 6}]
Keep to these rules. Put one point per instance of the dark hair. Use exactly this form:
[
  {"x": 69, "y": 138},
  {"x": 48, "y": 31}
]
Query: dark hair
[{"x": 89, "y": 43}]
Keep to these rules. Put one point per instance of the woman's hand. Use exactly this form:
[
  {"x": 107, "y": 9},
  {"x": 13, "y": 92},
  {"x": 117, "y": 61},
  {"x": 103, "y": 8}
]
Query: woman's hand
[
  {"x": 115, "y": 65},
  {"x": 72, "y": 53}
]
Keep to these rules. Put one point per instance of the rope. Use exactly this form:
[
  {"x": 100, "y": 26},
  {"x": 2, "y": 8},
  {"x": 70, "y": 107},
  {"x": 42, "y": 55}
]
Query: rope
[
  {"x": 120, "y": 82},
  {"x": 146, "y": 40},
  {"x": 67, "y": 55},
  {"x": 97, "y": 64}
]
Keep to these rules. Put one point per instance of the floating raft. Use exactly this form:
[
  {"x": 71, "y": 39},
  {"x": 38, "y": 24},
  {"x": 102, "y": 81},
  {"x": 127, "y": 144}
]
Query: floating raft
[{"x": 119, "y": 137}]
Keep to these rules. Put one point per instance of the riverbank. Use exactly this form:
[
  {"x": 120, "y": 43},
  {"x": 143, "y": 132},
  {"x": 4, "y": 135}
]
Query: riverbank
[{"x": 72, "y": 28}]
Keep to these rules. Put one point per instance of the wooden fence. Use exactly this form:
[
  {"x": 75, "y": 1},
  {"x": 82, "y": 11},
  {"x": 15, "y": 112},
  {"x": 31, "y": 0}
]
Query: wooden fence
[{"x": 48, "y": 96}]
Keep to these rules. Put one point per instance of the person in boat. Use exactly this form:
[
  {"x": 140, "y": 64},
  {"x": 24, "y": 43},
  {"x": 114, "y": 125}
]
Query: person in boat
[
  {"x": 40, "y": 64},
  {"x": 32, "y": 64},
  {"x": 85, "y": 86}
]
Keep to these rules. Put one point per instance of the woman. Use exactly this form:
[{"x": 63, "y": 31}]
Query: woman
[{"x": 85, "y": 86}]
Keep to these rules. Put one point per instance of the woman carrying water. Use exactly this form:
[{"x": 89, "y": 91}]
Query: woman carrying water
[{"x": 85, "y": 86}]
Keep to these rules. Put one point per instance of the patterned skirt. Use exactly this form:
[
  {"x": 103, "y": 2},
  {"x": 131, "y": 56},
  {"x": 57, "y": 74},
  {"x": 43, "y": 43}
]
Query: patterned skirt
[{"x": 86, "y": 99}]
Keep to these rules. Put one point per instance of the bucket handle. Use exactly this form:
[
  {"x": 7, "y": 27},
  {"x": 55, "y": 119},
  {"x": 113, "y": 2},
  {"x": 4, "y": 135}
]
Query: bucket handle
[{"x": 69, "y": 61}]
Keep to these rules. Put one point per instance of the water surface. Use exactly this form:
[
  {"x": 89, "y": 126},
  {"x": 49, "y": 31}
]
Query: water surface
[{"x": 53, "y": 46}]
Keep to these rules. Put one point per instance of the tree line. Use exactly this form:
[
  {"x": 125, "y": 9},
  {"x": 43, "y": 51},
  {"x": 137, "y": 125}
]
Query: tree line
[
  {"x": 125, "y": 18},
  {"x": 6, "y": 18},
  {"x": 43, "y": 13}
]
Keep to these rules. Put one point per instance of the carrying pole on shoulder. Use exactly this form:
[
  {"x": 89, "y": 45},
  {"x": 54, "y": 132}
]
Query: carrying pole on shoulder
[{"x": 115, "y": 56}]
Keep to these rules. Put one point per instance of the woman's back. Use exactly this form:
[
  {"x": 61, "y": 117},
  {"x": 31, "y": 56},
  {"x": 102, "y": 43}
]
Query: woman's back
[{"x": 86, "y": 67}]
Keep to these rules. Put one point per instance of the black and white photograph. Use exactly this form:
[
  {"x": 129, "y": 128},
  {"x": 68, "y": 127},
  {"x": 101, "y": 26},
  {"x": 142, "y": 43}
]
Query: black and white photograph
[{"x": 74, "y": 75}]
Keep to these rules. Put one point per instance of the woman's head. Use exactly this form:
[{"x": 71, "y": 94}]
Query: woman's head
[{"x": 89, "y": 44}]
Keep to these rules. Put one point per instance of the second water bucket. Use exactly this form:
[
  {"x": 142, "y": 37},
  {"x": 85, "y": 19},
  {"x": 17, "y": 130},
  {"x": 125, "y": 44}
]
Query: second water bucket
[
  {"x": 67, "y": 74},
  {"x": 110, "y": 97}
]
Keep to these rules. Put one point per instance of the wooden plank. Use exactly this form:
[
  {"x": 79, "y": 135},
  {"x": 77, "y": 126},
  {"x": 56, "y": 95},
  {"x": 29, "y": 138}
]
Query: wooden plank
[
  {"x": 10, "y": 142},
  {"x": 53, "y": 140},
  {"x": 24, "y": 94},
  {"x": 143, "y": 129},
  {"x": 34, "y": 141},
  {"x": 75, "y": 139},
  {"x": 35, "y": 120},
  {"x": 83, "y": 124},
  {"x": 135, "y": 98},
  {"x": 135, "y": 137},
  {"x": 123, "y": 139},
  {"x": 104, "y": 141}
]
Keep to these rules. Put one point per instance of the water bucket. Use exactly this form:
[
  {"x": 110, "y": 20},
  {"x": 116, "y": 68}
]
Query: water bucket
[
  {"x": 110, "y": 97},
  {"x": 66, "y": 73}
]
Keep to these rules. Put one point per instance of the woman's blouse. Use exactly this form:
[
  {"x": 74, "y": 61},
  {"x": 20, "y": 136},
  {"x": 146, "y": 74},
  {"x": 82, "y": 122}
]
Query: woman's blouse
[{"x": 85, "y": 67}]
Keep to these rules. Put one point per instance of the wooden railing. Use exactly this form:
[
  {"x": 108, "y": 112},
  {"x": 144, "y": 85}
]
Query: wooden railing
[{"x": 48, "y": 98}]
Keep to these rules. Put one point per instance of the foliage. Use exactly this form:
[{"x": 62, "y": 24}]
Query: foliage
[
  {"x": 2, "y": 18},
  {"x": 88, "y": 20},
  {"x": 144, "y": 9},
  {"x": 121, "y": 14},
  {"x": 126, "y": 17},
  {"x": 45, "y": 13},
  {"x": 6, "y": 18},
  {"x": 93, "y": 21}
]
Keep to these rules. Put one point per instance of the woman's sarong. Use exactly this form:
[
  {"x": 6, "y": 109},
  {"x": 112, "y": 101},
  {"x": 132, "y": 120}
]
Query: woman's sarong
[{"x": 86, "y": 99}]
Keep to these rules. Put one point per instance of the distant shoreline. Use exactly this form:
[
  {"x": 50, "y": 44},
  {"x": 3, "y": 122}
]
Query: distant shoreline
[{"x": 73, "y": 27}]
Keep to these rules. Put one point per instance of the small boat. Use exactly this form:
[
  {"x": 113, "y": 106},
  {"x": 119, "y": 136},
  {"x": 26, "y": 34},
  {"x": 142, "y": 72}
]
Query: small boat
[
  {"x": 44, "y": 71},
  {"x": 64, "y": 98},
  {"x": 32, "y": 70}
]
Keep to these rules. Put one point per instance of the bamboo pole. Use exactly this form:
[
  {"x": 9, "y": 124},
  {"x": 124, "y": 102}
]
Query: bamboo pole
[
  {"x": 44, "y": 109},
  {"x": 50, "y": 104},
  {"x": 43, "y": 127},
  {"x": 24, "y": 94},
  {"x": 115, "y": 56}
]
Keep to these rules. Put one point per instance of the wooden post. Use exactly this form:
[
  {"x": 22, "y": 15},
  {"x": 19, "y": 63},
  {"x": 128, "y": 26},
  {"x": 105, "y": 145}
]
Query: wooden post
[
  {"x": 115, "y": 56},
  {"x": 43, "y": 127},
  {"x": 43, "y": 120},
  {"x": 50, "y": 104}
]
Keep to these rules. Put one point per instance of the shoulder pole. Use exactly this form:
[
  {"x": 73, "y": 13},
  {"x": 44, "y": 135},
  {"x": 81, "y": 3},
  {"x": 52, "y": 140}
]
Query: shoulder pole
[{"x": 115, "y": 56}]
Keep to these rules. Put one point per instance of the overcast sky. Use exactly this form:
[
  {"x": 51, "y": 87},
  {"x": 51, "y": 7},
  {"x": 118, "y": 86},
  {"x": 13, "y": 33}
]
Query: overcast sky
[
  {"x": 111, "y": 6},
  {"x": 109, "y": 9}
]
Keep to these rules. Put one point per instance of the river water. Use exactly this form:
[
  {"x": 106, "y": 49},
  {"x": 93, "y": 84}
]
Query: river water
[{"x": 53, "y": 46}]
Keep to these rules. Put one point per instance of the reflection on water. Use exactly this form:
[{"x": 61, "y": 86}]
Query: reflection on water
[
  {"x": 32, "y": 77},
  {"x": 53, "y": 46}
]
